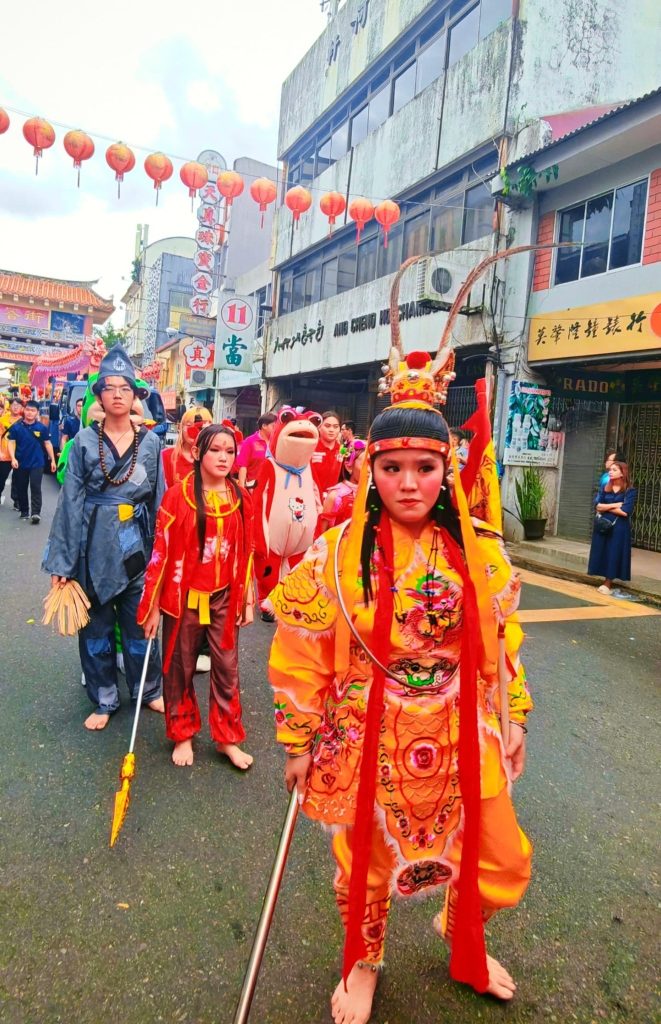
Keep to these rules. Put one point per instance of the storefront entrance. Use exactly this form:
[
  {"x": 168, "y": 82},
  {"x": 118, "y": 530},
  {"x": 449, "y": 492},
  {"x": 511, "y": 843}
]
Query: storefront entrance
[
  {"x": 639, "y": 440},
  {"x": 584, "y": 424}
]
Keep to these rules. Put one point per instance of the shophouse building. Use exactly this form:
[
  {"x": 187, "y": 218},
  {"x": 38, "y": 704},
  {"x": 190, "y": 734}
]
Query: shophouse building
[
  {"x": 420, "y": 102},
  {"x": 583, "y": 321}
]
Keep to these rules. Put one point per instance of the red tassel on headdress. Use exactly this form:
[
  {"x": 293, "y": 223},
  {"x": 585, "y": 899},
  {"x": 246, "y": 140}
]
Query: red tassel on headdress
[
  {"x": 468, "y": 962},
  {"x": 354, "y": 943}
]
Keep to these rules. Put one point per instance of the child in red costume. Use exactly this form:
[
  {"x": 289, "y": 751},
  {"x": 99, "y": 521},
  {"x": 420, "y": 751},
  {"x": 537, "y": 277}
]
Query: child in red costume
[{"x": 197, "y": 577}]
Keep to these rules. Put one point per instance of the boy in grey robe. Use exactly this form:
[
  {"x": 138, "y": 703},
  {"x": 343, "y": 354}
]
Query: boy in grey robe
[{"x": 102, "y": 535}]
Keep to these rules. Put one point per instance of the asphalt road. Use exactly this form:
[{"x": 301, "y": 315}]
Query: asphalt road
[{"x": 160, "y": 928}]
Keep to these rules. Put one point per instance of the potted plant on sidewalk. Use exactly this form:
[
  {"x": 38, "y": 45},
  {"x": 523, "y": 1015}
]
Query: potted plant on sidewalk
[{"x": 530, "y": 494}]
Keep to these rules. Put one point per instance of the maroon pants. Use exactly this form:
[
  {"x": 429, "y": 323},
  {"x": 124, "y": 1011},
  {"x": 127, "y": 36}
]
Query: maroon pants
[{"x": 182, "y": 714}]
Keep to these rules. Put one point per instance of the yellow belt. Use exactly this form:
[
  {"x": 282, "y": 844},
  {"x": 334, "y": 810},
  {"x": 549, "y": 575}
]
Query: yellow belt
[{"x": 200, "y": 600}]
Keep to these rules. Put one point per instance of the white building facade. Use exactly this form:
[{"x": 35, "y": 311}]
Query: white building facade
[{"x": 419, "y": 102}]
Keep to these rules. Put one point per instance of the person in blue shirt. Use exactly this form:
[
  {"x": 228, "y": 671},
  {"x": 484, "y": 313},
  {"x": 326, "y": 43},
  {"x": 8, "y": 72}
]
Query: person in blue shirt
[
  {"x": 71, "y": 424},
  {"x": 29, "y": 445}
]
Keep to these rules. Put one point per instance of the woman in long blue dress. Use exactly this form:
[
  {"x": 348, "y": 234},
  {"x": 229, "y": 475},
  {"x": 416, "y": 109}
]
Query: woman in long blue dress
[{"x": 610, "y": 553}]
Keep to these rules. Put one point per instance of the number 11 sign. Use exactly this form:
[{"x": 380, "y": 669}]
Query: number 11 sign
[
  {"x": 235, "y": 333},
  {"x": 237, "y": 313}
]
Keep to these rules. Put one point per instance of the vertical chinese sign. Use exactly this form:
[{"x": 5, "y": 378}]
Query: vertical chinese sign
[
  {"x": 207, "y": 235},
  {"x": 235, "y": 333}
]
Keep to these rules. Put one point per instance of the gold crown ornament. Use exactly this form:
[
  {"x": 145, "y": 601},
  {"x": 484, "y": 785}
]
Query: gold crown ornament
[{"x": 415, "y": 377}]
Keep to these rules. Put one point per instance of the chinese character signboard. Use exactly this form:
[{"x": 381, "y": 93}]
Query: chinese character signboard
[
  {"x": 235, "y": 333},
  {"x": 198, "y": 355},
  {"x": 528, "y": 439},
  {"x": 609, "y": 328},
  {"x": 24, "y": 316},
  {"x": 207, "y": 234}
]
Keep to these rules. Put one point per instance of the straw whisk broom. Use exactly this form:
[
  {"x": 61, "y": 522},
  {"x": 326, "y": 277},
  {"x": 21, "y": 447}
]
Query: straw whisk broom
[{"x": 66, "y": 606}]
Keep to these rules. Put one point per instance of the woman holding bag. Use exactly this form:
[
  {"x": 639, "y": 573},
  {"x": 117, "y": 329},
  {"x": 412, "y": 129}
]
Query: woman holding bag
[{"x": 610, "y": 550}]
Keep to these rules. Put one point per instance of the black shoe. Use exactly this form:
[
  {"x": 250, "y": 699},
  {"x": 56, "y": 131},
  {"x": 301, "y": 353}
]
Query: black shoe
[
  {"x": 35, "y": 520},
  {"x": 25, "y": 519},
  {"x": 268, "y": 617},
  {"x": 17, "y": 508}
]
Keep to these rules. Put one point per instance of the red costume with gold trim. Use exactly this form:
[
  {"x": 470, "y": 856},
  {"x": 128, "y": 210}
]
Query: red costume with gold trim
[{"x": 197, "y": 596}]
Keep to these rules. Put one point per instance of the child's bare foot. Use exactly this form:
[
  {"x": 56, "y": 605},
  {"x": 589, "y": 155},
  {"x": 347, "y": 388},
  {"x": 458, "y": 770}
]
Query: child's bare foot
[
  {"x": 238, "y": 757},
  {"x": 354, "y": 1006},
  {"x": 157, "y": 705},
  {"x": 501, "y": 984},
  {"x": 182, "y": 755},
  {"x": 96, "y": 721}
]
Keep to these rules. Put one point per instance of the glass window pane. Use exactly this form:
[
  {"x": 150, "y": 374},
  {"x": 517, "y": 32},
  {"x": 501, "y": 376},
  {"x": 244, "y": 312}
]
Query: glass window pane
[
  {"x": 312, "y": 279},
  {"x": 431, "y": 63},
  {"x": 379, "y": 108},
  {"x": 324, "y": 156},
  {"x": 366, "y": 264},
  {"x": 446, "y": 225},
  {"x": 340, "y": 141},
  {"x": 294, "y": 175},
  {"x": 359, "y": 126},
  {"x": 307, "y": 167},
  {"x": 568, "y": 261},
  {"x": 285, "y": 295},
  {"x": 628, "y": 222},
  {"x": 403, "y": 88},
  {"x": 416, "y": 235},
  {"x": 389, "y": 260},
  {"x": 464, "y": 36},
  {"x": 298, "y": 292},
  {"x": 329, "y": 279},
  {"x": 492, "y": 13},
  {"x": 346, "y": 270},
  {"x": 478, "y": 216},
  {"x": 597, "y": 234}
]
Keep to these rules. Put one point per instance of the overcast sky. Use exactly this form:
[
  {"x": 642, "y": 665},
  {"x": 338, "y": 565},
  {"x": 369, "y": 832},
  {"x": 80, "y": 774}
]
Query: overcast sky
[{"x": 173, "y": 76}]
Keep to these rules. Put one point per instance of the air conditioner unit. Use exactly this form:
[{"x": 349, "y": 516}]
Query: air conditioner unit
[
  {"x": 440, "y": 279},
  {"x": 201, "y": 379}
]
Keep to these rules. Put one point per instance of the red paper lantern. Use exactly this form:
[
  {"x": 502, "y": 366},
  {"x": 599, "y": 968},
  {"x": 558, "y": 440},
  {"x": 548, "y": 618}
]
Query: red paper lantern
[
  {"x": 4, "y": 121},
  {"x": 159, "y": 168},
  {"x": 80, "y": 147},
  {"x": 332, "y": 205},
  {"x": 230, "y": 185},
  {"x": 263, "y": 191},
  {"x": 194, "y": 176},
  {"x": 298, "y": 199},
  {"x": 387, "y": 214},
  {"x": 360, "y": 210},
  {"x": 40, "y": 134},
  {"x": 121, "y": 160}
]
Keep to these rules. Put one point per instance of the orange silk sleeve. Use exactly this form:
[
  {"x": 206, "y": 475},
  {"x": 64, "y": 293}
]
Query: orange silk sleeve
[{"x": 301, "y": 664}]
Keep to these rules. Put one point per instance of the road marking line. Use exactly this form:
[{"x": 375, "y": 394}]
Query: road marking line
[
  {"x": 582, "y": 590},
  {"x": 573, "y": 614}
]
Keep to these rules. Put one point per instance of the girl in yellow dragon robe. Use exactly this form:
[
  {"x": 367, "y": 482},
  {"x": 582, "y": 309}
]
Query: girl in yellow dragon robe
[{"x": 385, "y": 672}]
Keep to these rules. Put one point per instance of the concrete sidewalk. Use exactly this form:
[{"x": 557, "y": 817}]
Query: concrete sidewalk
[{"x": 556, "y": 556}]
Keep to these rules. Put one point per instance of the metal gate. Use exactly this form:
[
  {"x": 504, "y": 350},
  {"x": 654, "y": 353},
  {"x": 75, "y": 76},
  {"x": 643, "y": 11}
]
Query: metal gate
[
  {"x": 639, "y": 440},
  {"x": 584, "y": 425}
]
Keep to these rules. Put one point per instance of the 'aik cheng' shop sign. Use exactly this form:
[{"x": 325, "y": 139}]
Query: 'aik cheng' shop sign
[
  {"x": 608, "y": 328},
  {"x": 356, "y": 325}
]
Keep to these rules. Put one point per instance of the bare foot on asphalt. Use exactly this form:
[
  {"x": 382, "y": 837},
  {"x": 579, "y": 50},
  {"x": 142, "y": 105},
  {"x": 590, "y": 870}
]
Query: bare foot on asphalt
[
  {"x": 182, "y": 755},
  {"x": 95, "y": 721},
  {"x": 238, "y": 757},
  {"x": 157, "y": 705},
  {"x": 501, "y": 983},
  {"x": 354, "y": 1006}
]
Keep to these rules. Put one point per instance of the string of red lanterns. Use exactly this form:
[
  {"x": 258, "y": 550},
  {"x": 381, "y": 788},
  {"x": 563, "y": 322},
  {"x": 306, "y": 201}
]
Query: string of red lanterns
[{"x": 40, "y": 134}]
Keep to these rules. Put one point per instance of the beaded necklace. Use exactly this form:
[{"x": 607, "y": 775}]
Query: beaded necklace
[{"x": 118, "y": 481}]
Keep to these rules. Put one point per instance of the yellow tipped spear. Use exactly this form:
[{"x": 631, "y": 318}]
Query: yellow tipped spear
[{"x": 127, "y": 771}]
